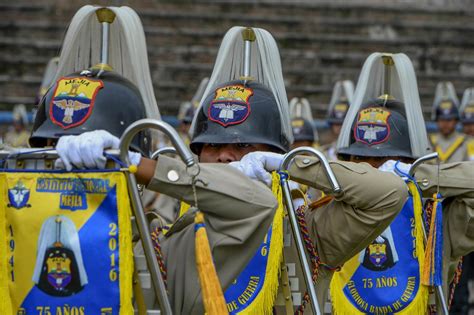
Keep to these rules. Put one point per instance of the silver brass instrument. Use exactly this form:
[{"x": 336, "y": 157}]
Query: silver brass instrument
[
  {"x": 292, "y": 215},
  {"x": 137, "y": 206}
]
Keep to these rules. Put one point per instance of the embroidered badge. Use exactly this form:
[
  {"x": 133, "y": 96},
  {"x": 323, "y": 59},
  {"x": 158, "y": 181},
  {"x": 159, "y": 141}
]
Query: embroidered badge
[
  {"x": 19, "y": 196},
  {"x": 469, "y": 111},
  {"x": 381, "y": 254},
  {"x": 372, "y": 126},
  {"x": 446, "y": 107},
  {"x": 230, "y": 105},
  {"x": 62, "y": 271},
  {"x": 73, "y": 101},
  {"x": 340, "y": 110},
  {"x": 297, "y": 125}
]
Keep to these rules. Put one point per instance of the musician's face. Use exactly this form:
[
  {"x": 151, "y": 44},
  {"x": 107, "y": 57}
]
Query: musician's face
[
  {"x": 229, "y": 152},
  {"x": 301, "y": 143},
  {"x": 379, "y": 161},
  {"x": 447, "y": 126},
  {"x": 336, "y": 129},
  {"x": 468, "y": 129}
]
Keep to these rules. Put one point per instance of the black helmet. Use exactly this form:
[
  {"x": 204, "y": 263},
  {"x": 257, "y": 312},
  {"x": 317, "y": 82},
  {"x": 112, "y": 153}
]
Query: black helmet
[
  {"x": 338, "y": 112},
  {"x": 239, "y": 112},
  {"x": 446, "y": 109},
  {"x": 302, "y": 130},
  {"x": 88, "y": 101},
  {"x": 467, "y": 115},
  {"x": 380, "y": 130}
]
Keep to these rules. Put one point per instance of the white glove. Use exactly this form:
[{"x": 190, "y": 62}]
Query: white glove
[
  {"x": 87, "y": 150},
  {"x": 258, "y": 165},
  {"x": 298, "y": 202}
]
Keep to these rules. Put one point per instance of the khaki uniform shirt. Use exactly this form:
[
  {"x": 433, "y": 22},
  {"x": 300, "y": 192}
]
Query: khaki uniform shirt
[
  {"x": 238, "y": 212},
  {"x": 456, "y": 147},
  {"x": 348, "y": 224}
]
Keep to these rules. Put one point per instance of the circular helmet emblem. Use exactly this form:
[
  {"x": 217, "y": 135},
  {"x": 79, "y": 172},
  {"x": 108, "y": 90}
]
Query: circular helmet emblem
[{"x": 372, "y": 126}]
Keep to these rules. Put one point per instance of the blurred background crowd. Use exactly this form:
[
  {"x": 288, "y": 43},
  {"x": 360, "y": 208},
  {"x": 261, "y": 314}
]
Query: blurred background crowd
[{"x": 320, "y": 42}]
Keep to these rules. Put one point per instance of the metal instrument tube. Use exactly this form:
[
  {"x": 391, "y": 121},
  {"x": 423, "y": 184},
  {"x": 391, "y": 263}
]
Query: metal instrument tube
[
  {"x": 146, "y": 123},
  {"x": 420, "y": 161},
  {"x": 300, "y": 248},
  {"x": 292, "y": 216},
  {"x": 188, "y": 159},
  {"x": 337, "y": 190},
  {"x": 165, "y": 150}
]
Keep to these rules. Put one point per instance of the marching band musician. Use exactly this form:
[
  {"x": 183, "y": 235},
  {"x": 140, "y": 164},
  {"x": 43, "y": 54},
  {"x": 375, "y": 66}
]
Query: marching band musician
[{"x": 231, "y": 125}]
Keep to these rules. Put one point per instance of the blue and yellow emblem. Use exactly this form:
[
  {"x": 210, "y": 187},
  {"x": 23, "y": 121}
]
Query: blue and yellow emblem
[
  {"x": 469, "y": 111},
  {"x": 372, "y": 126},
  {"x": 19, "y": 196},
  {"x": 446, "y": 107},
  {"x": 73, "y": 101},
  {"x": 230, "y": 105},
  {"x": 297, "y": 125},
  {"x": 340, "y": 110}
]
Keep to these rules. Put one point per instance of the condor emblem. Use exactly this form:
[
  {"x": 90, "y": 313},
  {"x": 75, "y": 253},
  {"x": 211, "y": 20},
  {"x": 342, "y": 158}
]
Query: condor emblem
[
  {"x": 19, "y": 196},
  {"x": 73, "y": 101},
  {"x": 372, "y": 126},
  {"x": 230, "y": 105}
]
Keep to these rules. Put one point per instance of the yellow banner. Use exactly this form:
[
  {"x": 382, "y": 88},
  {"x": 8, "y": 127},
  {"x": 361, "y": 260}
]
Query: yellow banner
[{"x": 66, "y": 246}]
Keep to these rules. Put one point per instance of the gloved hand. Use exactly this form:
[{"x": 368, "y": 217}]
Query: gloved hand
[
  {"x": 87, "y": 150},
  {"x": 258, "y": 165}
]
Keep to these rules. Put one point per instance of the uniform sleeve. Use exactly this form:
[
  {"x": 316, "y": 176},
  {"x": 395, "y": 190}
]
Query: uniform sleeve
[
  {"x": 237, "y": 211},
  {"x": 221, "y": 189},
  {"x": 370, "y": 202},
  {"x": 456, "y": 185}
]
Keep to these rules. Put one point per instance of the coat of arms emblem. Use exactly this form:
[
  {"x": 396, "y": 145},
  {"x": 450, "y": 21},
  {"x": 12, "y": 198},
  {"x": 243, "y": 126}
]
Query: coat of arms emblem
[
  {"x": 19, "y": 196},
  {"x": 73, "y": 101},
  {"x": 230, "y": 105},
  {"x": 372, "y": 126}
]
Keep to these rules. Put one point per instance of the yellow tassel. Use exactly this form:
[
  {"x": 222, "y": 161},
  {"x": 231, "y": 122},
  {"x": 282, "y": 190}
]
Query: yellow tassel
[
  {"x": 212, "y": 295},
  {"x": 5, "y": 301},
  {"x": 264, "y": 301},
  {"x": 125, "y": 246},
  {"x": 418, "y": 212}
]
